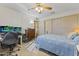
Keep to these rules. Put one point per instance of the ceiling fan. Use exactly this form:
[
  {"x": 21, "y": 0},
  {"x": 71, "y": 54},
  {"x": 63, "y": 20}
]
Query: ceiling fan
[{"x": 39, "y": 7}]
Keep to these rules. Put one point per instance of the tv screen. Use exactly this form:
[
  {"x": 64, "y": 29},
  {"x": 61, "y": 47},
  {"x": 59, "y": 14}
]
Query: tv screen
[{"x": 9, "y": 29}]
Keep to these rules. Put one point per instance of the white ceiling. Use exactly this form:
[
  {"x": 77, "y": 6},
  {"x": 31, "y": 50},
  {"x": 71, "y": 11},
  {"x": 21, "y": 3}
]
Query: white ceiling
[{"x": 59, "y": 9}]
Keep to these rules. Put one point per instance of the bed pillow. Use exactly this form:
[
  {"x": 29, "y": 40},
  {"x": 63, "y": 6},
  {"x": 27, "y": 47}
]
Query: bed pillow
[
  {"x": 76, "y": 40},
  {"x": 72, "y": 35}
]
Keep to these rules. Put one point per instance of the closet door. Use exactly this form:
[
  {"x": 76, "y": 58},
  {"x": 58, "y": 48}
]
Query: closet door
[
  {"x": 41, "y": 28},
  {"x": 64, "y": 25},
  {"x": 78, "y": 20},
  {"x": 77, "y": 25},
  {"x": 48, "y": 26}
]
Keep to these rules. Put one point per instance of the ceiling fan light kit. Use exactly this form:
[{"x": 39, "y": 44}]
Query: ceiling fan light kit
[{"x": 40, "y": 7}]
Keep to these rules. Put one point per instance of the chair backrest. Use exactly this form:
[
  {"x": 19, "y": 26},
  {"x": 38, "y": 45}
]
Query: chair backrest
[{"x": 10, "y": 38}]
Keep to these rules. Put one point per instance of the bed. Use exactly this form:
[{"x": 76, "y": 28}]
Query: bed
[{"x": 60, "y": 45}]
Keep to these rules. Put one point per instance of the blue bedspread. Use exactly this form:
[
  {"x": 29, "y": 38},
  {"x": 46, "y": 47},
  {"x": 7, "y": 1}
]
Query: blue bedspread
[{"x": 58, "y": 44}]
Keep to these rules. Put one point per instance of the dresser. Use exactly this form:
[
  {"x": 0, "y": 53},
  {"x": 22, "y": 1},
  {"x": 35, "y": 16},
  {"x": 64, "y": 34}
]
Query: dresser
[{"x": 30, "y": 33}]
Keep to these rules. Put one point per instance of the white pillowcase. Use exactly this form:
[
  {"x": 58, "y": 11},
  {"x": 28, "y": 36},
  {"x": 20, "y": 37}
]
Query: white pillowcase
[
  {"x": 76, "y": 40},
  {"x": 72, "y": 35}
]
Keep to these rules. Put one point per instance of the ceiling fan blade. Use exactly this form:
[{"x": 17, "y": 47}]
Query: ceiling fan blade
[
  {"x": 49, "y": 8},
  {"x": 44, "y": 6},
  {"x": 31, "y": 8},
  {"x": 39, "y": 4}
]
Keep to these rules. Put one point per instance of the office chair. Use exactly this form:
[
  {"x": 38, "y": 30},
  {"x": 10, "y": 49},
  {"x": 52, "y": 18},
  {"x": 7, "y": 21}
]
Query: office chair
[{"x": 10, "y": 41}]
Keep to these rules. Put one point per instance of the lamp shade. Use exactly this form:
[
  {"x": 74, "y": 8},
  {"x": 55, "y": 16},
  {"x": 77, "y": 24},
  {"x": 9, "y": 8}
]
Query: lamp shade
[{"x": 76, "y": 29}]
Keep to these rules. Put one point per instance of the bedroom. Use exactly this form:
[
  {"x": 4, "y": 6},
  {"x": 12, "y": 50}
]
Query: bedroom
[{"x": 54, "y": 29}]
